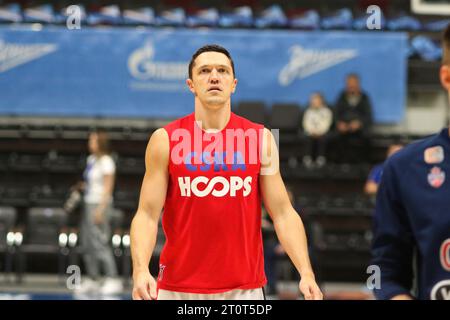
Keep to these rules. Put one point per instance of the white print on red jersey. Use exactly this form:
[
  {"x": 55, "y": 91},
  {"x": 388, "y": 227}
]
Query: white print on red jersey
[{"x": 217, "y": 186}]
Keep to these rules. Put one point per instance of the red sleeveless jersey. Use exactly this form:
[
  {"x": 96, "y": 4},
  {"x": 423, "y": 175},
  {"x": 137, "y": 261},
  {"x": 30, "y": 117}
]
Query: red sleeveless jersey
[{"x": 212, "y": 212}]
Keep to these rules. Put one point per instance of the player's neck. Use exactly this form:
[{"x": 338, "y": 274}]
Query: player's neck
[{"x": 213, "y": 119}]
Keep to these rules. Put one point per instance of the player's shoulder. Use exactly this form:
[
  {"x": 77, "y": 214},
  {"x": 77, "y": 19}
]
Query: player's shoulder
[
  {"x": 414, "y": 153},
  {"x": 159, "y": 137},
  {"x": 245, "y": 123},
  {"x": 178, "y": 123}
]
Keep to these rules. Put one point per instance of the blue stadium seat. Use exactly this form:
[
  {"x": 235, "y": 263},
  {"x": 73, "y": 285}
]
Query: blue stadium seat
[
  {"x": 141, "y": 16},
  {"x": 309, "y": 20},
  {"x": 173, "y": 17},
  {"x": 272, "y": 17},
  {"x": 106, "y": 15},
  {"x": 404, "y": 22},
  {"x": 341, "y": 19},
  {"x": 239, "y": 17},
  {"x": 11, "y": 13},
  {"x": 437, "y": 25},
  {"x": 39, "y": 14},
  {"x": 204, "y": 18},
  {"x": 426, "y": 48}
]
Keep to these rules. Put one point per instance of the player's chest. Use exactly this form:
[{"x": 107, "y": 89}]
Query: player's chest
[{"x": 426, "y": 195}]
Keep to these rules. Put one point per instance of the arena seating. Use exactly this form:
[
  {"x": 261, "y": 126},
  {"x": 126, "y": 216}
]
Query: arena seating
[
  {"x": 42, "y": 235},
  {"x": 8, "y": 216},
  {"x": 39, "y": 170},
  {"x": 306, "y": 15},
  {"x": 40, "y": 160}
]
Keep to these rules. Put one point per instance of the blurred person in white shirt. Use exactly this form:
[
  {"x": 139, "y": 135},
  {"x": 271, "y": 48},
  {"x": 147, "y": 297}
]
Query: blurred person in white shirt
[
  {"x": 95, "y": 233},
  {"x": 317, "y": 121}
]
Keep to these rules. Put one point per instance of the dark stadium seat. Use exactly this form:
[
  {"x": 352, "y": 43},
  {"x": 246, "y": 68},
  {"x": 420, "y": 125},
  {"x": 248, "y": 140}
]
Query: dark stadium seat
[
  {"x": 252, "y": 110},
  {"x": 345, "y": 171},
  {"x": 116, "y": 224},
  {"x": 26, "y": 162},
  {"x": 11, "y": 131},
  {"x": 8, "y": 217},
  {"x": 340, "y": 246},
  {"x": 46, "y": 196},
  {"x": 64, "y": 163},
  {"x": 304, "y": 173},
  {"x": 15, "y": 195},
  {"x": 42, "y": 237},
  {"x": 4, "y": 162},
  {"x": 126, "y": 199},
  {"x": 130, "y": 165},
  {"x": 43, "y": 131},
  {"x": 76, "y": 132},
  {"x": 120, "y": 244},
  {"x": 286, "y": 119}
]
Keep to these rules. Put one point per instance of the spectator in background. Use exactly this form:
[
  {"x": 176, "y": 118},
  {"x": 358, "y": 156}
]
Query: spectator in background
[
  {"x": 317, "y": 121},
  {"x": 95, "y": 234},
  {"x": 353, "y": 114},
  {"x": 374, "y": 179}
]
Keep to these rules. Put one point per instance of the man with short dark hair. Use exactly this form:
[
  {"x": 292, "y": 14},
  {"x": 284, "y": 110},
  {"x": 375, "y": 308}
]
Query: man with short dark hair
[
  {"x": 412, "y": 218},
  {"x": 210, "y": 171},
  {"x": 353, "y": 114}
]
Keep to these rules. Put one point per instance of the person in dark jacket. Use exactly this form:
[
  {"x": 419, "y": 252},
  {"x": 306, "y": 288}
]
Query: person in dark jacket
[{"x": 353, "y": 114}]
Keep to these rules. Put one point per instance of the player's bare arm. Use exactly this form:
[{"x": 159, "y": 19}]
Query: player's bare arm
[
  {"x": 144, "y": 226},
  {"x": 287, "y": 222}
]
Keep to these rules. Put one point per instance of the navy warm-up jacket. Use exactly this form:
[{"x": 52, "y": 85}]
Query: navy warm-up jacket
[{"x": 411, "y": 242}]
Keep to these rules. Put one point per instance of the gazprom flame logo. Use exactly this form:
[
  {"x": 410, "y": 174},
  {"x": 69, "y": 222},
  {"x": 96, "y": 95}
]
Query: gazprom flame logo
[
  {"x": 16, "y": 54},
  {"x": 304, "y": 63},
  {"x": 142, "y": 66}
]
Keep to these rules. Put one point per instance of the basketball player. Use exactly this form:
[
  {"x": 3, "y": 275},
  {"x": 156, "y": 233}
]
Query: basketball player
[
  {"x": 212, "y": 199},
  {"x": 412, "y": 219}
]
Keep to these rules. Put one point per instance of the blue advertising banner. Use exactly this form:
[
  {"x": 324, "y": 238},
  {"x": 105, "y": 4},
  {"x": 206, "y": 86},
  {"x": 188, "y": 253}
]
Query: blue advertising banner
[{"x": 121, "y": 72}]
